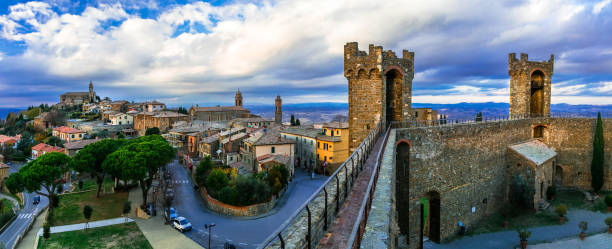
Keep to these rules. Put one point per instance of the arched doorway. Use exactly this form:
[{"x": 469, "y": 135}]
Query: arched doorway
[
  {"x": 402, "y": 176},
  {"x": 558, "y": 175},
  {"x": 538, "y": 131},
  {"x": 431, "y": 217},
  {"x": 537, "y": 93},
  {"x": 393, "y": 83}
]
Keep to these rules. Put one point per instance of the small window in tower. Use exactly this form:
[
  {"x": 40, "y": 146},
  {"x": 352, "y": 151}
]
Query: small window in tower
[{"x": 272, "y": 150}]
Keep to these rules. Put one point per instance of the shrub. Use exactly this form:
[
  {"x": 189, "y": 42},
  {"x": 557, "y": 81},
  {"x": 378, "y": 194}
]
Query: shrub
[
  {"x": 229, "y": 195},
  {"x": 583, "y": 226},
  {"x": 152, "y": 131},
  {"x": 608, "y": 222},
  {"x": 277, "y": 178},
  {"x": 202, "y": 171},
  {"x": 609, "y": 200},
  {"x": 5, "y": 217},
  {"x": 523, "y": 233},
  {"x": 550, "y": 192},
  {"x": 251, "y": 190},
  {"x": 46, "y": 230},
  {"x": 81, "y": 185},
  {"x": 216, "y": 180},
  {"x": 561, "y": 210},
  {"x": 521, "y": 193}
]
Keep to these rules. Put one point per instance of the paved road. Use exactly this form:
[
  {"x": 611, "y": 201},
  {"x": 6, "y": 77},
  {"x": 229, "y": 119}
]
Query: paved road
[
  {"x": 18, "y": 227},
  {"x": 242, "y": 232},
  {"x": 509, "y": 239}
]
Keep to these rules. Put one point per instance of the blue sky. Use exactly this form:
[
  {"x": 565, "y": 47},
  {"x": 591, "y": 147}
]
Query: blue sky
[{"x": 185, "y": 52}]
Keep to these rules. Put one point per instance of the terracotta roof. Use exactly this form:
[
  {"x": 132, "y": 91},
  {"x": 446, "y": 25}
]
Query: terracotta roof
[
  {"x": 69, "y": 130},
  {"x": 7, "y": 139},
  {"x": 47, "y": 148},
  {"x": 268, "y": 137},
  {"x": 77, "y": 93},
  {"x": 328, "y": 138},
  {"x": 220, "y": 109},
  {"x": 274, "y": 158},
  {"x": 534, "y": 151},
  {"x": 307, "y": 132},
  {"x": 235, "y": 137},
  {"x": 80, "y": 144},
  {"x": 168, "y": 114}
]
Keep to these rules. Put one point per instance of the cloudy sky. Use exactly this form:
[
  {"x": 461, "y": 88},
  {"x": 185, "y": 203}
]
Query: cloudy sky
[{"x": 185, "y": 52}]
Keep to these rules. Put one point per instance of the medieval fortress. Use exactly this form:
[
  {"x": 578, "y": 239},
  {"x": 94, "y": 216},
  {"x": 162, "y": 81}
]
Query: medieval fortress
[{"x": 463, "y": 170}]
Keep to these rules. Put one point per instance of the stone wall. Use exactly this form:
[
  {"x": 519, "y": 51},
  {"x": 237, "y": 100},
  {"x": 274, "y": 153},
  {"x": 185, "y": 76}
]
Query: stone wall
[
  {"x": 464, "y": 164},
  {"x": 572, "y": 139},
  {"x": 231, "y": 210}
]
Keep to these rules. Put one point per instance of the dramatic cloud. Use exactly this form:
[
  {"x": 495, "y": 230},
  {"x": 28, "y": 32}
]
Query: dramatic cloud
[{"x": 201, "y": 52}]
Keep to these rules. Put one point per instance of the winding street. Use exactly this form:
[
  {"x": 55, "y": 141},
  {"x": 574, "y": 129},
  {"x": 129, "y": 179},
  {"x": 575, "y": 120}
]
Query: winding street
[
  {"x": 25, "y": 216},
  {"x": 242, "y": 232}
]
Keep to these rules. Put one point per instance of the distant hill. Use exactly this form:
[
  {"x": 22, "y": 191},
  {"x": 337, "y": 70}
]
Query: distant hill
[
  {"x": 320, "y": 112},
  {"x": 6, "y": 111}
]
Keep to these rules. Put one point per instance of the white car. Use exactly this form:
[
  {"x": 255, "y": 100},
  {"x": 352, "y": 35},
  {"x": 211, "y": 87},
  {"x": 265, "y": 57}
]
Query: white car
[{"x": 182, "y": 224}]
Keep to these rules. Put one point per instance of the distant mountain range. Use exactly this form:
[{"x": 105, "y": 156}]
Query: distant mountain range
[
  {"x": 322, "y": 112},
  {"x": 326, "y": 111}
]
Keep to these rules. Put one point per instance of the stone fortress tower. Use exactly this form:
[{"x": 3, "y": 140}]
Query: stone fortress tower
[
  {"x": 278, "y": 111},
  {"x": 530, "y": 84},
  {"x": 380, "y": 88},
  {"x": 238, "y": 98}
]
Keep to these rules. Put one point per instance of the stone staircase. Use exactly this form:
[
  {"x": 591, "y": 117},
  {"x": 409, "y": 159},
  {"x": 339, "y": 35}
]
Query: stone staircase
[{"x": 543, "y": 205}]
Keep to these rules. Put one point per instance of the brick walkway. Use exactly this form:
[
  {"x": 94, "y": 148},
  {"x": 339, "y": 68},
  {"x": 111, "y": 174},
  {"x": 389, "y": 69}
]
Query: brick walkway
[
  {"x": 340, "y": 230},
  {"x": 603, "y": 240}
]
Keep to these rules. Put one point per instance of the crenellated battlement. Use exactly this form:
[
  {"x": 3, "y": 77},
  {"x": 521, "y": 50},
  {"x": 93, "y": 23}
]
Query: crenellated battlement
[{"x": 524, "y": 65}]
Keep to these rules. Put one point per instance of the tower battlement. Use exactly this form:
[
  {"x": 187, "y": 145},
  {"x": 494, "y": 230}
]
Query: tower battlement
[
  {"x": 516, "y": 65},
  {"x": 530, "y": 85}
]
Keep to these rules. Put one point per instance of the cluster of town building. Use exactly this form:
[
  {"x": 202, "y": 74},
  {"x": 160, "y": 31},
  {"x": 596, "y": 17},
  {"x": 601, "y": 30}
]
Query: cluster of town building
[{"x": 230, "y": 135}]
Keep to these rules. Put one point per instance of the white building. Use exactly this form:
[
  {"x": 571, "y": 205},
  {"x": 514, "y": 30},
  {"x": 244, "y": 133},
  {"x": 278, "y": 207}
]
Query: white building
[
  {"x": 305, "y": 145},
  {"x": 121, "y": 119}
]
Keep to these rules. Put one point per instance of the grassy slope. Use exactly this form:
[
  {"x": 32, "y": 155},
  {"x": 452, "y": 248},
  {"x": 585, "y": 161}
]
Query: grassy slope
[
  {"x": 116, "y": 236},
  {"x": 70, "y": 210}
]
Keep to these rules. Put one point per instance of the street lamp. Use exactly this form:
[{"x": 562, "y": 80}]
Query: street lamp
[{"x": 209, "y": 227}]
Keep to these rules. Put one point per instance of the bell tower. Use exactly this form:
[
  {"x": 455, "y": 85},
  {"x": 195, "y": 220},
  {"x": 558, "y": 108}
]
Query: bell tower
[
  {"x": 530, "y": 84},
  {"x": 278, "y": 111},
  {"x": 238, "y": 98},
  {"x": 92, "y": 94}
]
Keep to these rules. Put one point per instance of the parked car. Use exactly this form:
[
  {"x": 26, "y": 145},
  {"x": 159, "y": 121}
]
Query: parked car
[
  {"x": 36, "y": 200},
  {"x": 170, "y": 214},
  {"x": 181, "y": 224}
]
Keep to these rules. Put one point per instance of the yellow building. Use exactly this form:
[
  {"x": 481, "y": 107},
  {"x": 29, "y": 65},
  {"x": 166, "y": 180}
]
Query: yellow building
[
  {"x": 333, "y": 145},
  {"x": 68, "y": 134}
]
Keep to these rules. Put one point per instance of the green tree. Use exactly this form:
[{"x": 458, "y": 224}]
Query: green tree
[
  {"x": 202, "y": 170},
  {"x": 292, "y": 120},
  {"x": 277, "y": 178},
  {"x": 152, "y": 131},
  {"x": 55, "y": 141},
  {"x": 183, "y": 110},
  {"x": 45, "y": 172},
  {"x": 140, "y": 160},
  {"x": 46, "y": 230},
  {"x": 25, "y": 144},
  {"x": 479, "y": 117},
  {"x": 597, "y": 164},
  {"x": 297, "y": 122},
  {"x": 90, "y": 159},
  {"x": 521, "y": 193},
  {"x": 216, "y": 180},
  {"x": 251, "y": 190},
  {"x": 229, "y": 195},
  {"x": 87, "y": 211}
]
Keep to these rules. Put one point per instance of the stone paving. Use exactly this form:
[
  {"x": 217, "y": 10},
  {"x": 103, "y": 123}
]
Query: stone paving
[
  {"x": 340, "y": 230},
  {"x": 510, "y": 239},
  {"x": 603, "y": 240}
]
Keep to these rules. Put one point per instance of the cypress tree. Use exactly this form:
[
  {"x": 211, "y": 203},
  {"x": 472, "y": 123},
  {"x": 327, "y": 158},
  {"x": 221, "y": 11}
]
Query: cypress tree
[{"x": 597, "y": 170}]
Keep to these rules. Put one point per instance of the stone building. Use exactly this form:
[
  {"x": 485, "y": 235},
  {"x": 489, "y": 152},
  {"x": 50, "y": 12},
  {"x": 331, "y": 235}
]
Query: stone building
[
  {"x": 278, "y": 110},
  {"x": 425, "y": 115},
  {"x": 68, "y": 134},
  {"x": 530, "y": 84},
  {"x": 162, "y": 120},
  {"x": 220, "y": 113},
  {"x": 264, "y": 142},
  {"x": 77, "y": 98},
  {"x": 534, "y": 162},
  {"x": 71, "y": 149},
  {"x": 379, "y": 88}
]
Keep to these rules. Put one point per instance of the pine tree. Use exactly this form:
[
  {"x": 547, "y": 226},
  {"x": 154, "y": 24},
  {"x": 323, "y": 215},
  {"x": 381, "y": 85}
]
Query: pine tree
[
  {"x": 597, "y": 170},
  {"x": 297, "y": 122},
  {"x": 292, "y": 120}
]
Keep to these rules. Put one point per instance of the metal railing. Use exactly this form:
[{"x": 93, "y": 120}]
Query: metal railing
[
  {"x": 357, "y": 158},
  {"x": 354, "y": 240}
]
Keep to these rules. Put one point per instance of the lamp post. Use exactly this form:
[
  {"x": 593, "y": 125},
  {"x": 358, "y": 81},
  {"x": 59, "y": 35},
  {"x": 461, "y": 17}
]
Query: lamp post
[{"x": 209, "y": 227}]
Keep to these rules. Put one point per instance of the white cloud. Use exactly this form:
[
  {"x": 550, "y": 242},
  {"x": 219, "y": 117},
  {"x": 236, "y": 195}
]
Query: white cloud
[
  {"x": 604, "y": 87},
  {"x": 200, "y": 49},
  {"x": 600, "y": 5}
]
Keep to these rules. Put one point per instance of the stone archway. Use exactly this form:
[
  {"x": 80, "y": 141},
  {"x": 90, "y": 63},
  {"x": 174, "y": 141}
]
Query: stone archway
[
  {"x": 432, "y": 217},
  {"x": 393, "y": 82},
  {"x": 537, "y": 94},
  {"x": 402, "y": 176}
]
